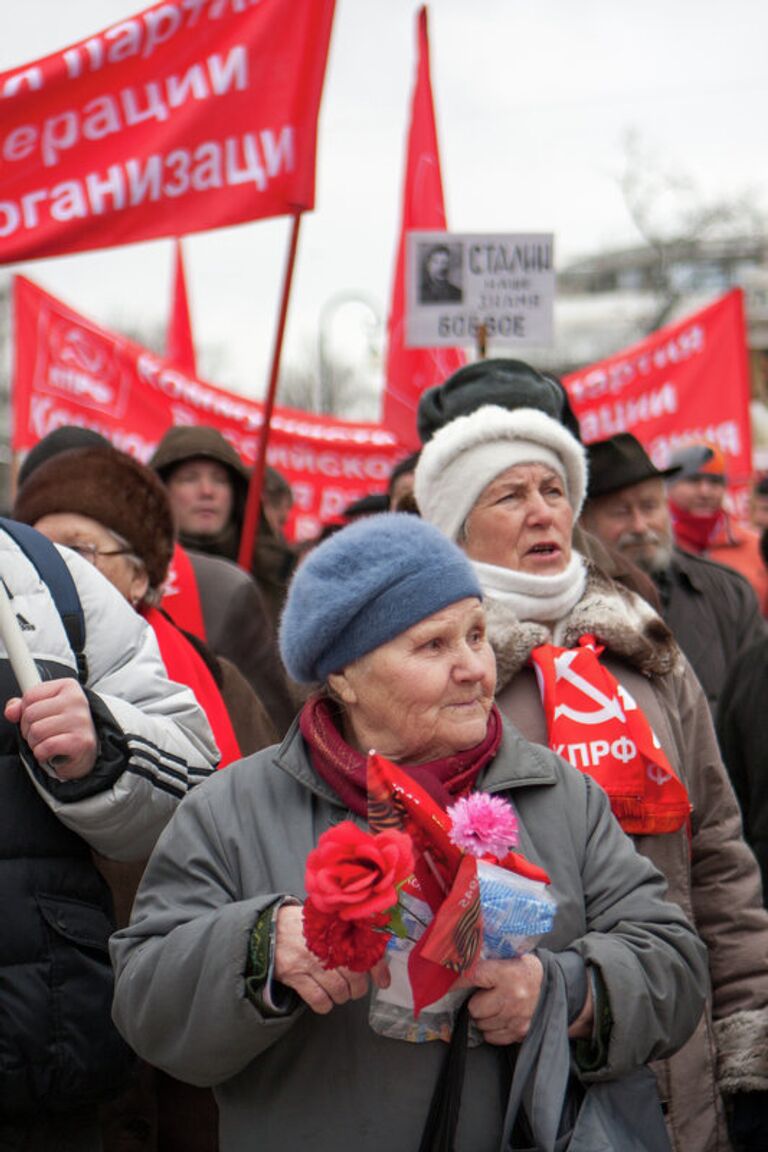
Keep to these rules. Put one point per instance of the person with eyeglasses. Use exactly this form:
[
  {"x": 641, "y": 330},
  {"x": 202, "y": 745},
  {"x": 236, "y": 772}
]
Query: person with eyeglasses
[
  {"x": 93, "y": 759},
  {"x": 207, "y": 595},
  {"x": 115, "y": 513}
]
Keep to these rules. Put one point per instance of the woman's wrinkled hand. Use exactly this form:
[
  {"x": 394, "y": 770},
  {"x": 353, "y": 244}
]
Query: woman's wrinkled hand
[
  {"x": 55, "y": 720},
  {"x": 297, "y": 968},
  {"x": 506, "y": 997}
]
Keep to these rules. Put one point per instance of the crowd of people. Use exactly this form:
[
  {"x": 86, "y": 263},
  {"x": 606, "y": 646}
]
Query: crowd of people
[{"x": 570, "y": 628}]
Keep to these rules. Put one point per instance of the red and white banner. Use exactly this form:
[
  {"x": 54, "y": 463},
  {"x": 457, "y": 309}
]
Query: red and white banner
[
  {"x": 686, "y": 382},
  {"x": 193, "y": 114},
  {"x": 409, "y": 371},
  {"x": 69, "y": 371}
]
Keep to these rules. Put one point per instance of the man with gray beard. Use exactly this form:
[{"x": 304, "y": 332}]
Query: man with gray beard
[{"x": 712, "y": 610}]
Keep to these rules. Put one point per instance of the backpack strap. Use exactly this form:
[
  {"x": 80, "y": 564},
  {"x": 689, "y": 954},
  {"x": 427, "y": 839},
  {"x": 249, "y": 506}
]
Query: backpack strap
[{"x": 54, "y": 573}]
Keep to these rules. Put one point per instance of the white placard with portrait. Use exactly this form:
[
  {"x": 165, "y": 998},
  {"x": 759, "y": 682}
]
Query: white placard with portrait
[{"x": 457, "y": 282}]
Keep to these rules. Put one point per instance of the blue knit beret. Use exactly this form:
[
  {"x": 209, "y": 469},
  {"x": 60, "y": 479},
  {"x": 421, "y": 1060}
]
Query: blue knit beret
[{"x": 366, "y": 585}]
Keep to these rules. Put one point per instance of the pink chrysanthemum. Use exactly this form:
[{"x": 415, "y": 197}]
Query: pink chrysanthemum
[{"x": 483, "y": 825}]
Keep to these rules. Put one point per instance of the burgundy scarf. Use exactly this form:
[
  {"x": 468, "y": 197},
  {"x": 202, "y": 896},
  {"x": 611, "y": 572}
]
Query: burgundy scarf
[{"x": 344, "y": 768}]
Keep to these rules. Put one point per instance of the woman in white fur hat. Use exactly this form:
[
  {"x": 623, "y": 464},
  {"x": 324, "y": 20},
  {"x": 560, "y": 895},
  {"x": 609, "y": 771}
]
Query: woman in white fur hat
[{"x": 587, "y": 667}]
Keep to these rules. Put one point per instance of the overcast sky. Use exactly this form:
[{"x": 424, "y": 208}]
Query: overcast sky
[{"x": 534, "y": 99}]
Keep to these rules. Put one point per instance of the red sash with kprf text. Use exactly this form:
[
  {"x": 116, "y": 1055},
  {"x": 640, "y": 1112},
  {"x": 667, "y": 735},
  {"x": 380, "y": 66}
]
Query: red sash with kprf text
[{"x": 594, "y": 723}]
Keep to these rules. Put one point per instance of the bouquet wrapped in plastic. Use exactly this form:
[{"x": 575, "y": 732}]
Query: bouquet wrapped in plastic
[{"x": 448, "y": 888}]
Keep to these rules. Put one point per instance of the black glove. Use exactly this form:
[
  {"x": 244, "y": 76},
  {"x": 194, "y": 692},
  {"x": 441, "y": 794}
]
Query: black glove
[{"x": 748, "y": 1121}]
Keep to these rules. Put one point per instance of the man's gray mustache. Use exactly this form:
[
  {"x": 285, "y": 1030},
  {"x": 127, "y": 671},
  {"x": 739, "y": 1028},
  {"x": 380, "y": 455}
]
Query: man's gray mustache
[{"x": 627, "y": 539}]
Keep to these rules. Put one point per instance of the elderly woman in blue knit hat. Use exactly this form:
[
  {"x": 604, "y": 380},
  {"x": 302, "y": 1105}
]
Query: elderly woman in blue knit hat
[{"x": 215, "y": 982}]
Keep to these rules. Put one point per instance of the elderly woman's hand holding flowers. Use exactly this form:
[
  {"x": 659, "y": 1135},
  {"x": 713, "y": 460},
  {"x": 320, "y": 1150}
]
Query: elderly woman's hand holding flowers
[{"x": 320, "y": 988}]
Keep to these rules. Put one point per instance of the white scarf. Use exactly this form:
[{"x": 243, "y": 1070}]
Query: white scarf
[{"x": 544, "y": 599}]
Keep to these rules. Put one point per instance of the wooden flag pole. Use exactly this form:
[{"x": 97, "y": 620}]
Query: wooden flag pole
[{"x": 253, "y": 502}]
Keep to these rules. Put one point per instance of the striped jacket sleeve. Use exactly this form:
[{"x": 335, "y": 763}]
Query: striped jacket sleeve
[{"x": 155, "y": 742}]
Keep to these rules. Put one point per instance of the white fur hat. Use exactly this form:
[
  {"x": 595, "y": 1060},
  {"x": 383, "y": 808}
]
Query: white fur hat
[{"x": 463, "y": 457}]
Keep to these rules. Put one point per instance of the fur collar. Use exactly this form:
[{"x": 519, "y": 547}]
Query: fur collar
[{"x": 619, "y": 619}]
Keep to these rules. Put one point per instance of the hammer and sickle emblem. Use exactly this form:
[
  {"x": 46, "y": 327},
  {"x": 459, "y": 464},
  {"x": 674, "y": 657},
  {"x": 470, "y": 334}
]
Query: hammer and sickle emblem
[{"x": 610, "y": 707}]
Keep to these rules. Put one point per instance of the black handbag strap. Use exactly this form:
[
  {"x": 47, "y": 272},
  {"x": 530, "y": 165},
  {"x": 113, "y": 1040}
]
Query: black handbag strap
[{"x": 443, "y": 1117}]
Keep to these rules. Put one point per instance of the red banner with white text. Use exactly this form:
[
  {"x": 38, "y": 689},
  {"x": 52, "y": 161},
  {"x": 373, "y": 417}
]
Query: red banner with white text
[
  {"x": 193, "y": 114},
  {"x": 686, "y": 382},
  {"x": 69, "y": 371}
]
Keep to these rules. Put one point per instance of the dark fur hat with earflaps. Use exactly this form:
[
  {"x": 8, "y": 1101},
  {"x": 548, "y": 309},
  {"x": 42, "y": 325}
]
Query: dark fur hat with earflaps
[{"x": 111, "y": 487}]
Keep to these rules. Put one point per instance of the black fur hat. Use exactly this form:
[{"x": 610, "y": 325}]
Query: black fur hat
[{"x": 504, "y": 383}]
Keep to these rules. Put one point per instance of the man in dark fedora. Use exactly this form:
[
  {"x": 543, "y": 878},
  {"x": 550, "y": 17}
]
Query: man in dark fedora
[{"x": 711, "y": 609}]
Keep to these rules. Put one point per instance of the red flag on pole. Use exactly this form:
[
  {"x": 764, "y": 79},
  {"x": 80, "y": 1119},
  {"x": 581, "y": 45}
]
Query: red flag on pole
[
  {"x": 188, "y": 116},
  {"x": 179, "y": 345},
  {"x": 409, "y": 371}
]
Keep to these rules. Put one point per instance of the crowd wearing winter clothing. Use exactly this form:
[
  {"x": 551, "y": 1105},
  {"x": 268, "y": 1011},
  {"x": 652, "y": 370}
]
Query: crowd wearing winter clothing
[
  {"x": 149, "y": 741},
  {"x": 572, "y": 629},
  {"x": 507, "y": 485}
]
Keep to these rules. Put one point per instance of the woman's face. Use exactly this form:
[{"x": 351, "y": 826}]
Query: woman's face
[
  {"x": 96, "y": 543},
  {"x": 427, "y": 693},
  {"x": 522, "y": 521}
]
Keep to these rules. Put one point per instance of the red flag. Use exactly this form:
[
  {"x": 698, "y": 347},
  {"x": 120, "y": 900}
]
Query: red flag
[
  {"x": 184, "y": 117},
  {"x": 179, "y": 345},
  {"x": 444, "y": 878},
  {"x": 70, "y": 371},
  {"x": 687, "y": 381},
  {"x": 409, "y": 371}
]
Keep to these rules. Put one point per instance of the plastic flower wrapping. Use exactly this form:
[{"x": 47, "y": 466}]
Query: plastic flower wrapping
[{"x": 435, "y": 890}]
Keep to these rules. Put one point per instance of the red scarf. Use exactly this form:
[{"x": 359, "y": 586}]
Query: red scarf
[
  {"x": 186, "y": 666},
  {"x": 345, "y": 769},
  {"x": 181, "y": 596},
  {"x": 695, "y": 533},
  {"x": 594, "y": 723}
]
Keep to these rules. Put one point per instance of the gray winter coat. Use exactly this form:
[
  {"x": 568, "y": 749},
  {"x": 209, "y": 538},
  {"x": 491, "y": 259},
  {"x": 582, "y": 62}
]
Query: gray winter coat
[
  {"x": 710, "y": 871},
  {"x": 325, "y": 1082}
]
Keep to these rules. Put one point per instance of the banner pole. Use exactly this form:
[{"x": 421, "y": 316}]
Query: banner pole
[{"x": 253, "y": 502}]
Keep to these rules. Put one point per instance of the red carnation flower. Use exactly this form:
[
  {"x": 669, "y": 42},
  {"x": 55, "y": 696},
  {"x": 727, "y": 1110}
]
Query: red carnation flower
[{"x": 354, "y": 944}]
